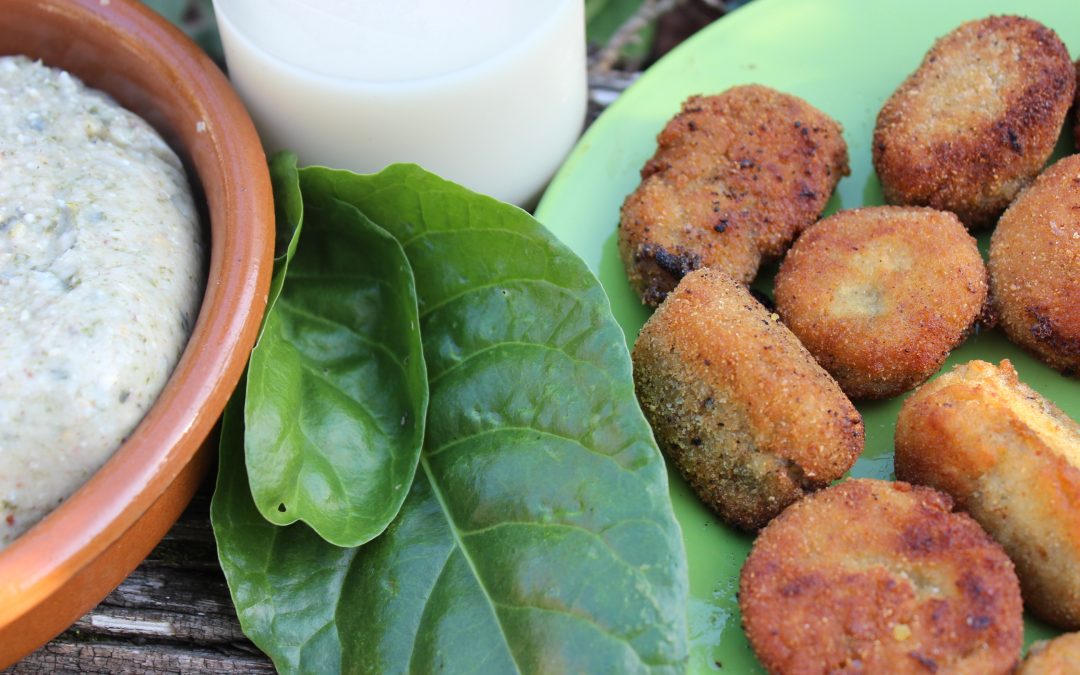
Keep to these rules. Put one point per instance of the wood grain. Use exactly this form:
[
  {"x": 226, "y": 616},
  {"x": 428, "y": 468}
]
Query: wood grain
[{"x": 173, "y": 614}]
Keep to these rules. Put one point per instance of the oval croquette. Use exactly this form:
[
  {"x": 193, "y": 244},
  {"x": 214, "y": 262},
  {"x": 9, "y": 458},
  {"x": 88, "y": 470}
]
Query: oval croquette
[
  {"x": 744, "y": 411},
  {"x": 879, "y": 577},
  {"x": 881, "y": 295},
  {"x": 1035, "y": 267},
  {"x": 1011, "y": 459},
  {"x": 974, "y": 124},
  {"x": 735, "y": 178}
]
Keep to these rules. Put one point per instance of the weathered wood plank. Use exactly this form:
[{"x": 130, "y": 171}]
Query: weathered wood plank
[
  {"x": 65, "y": 656},
  {"x": 173, "y": 614}
]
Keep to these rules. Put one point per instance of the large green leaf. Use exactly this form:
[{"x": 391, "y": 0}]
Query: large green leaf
[
  {"x": 538, "y": 534},
  {"x": 337, "y": 390}
]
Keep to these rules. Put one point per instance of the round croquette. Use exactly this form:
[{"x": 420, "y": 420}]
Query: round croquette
[
  {"x": 750, "y": 419},
  {"x": 1011, "y": 459},
  {"x": 1035, "y": 267},
  {"x": 880, "y": 577},
  {"x": 735, "y": 178},
  {"x": 976, "y": 122},
  {"x": 881, "y": 295},
  {"x": 1060, "y": 656}
]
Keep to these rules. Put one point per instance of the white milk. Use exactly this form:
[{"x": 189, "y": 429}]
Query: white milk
[{"x": 487, "y": 93}]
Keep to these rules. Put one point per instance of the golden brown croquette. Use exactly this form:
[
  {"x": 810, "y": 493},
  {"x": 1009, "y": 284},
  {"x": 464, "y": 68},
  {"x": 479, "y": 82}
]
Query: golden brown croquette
[
  {"x": 1035, "y": 267},
  {"x": 1060, "y": 656},
  {"x": 881, "y": 295},
  {"x": 734, "y": 179},
  {"x": 974, "y": 124},
  {"x": 1011, "y": 459},
  {"x": 871, "y": 576},
  {"x": 744, "y": 411}
]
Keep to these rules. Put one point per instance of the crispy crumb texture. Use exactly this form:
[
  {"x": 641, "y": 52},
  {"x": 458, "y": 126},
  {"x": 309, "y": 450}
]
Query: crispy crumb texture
[
  {"x": 880, "y": 295},
  {"x": 975, "y": 123},
  {"x": 740, "y": 406},
  {"x": 735, "y": 178},
  {"x": 1035, "y": 267},
  {"x": 880, "y": 577},
  {"x": 1011, "y": 459}
]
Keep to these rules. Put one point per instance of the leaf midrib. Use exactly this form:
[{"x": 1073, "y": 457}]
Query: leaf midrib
[{"x": 437, "y": 492}]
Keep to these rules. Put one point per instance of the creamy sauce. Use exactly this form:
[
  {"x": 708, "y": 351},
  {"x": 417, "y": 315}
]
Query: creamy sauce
[{"x": 101, "y": 272}]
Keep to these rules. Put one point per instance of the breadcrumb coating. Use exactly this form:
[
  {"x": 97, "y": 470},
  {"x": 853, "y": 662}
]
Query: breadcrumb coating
[
  {"x": 880, "y": 295},
  {"x": 735, "y": 178},
  {"x": 976, "y": 122},
  {"x": 1011, "y": 459},
  {"x": 880, "y": 577},
  {"x": 1035, "y": 267},
  {"x": 739, "y": 405}
]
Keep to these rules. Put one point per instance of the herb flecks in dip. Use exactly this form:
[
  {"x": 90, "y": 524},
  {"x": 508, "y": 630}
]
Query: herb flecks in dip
[{"x": 100, "y": 278}]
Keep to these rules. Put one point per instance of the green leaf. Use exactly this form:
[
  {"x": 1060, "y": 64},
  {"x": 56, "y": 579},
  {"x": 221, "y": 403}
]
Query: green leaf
[
  {"x": 538, "y": 534},
  {"x": 337, "y": 389},
  {"x": 288, "y": 218},
  {"x": 301, "y": 606}
]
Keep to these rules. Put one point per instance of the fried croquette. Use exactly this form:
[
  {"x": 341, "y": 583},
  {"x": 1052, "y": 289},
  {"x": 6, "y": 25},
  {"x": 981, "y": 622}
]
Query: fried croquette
[
  {"x": 879, "y": 577},
  {"x": 1035, "y": 267},
  {"x": 1011, "y": 459},
  {"x": 734, "y": 179},
  {"x": 976, "y": 122},
  {"x": 747, "y": 415},
  {"x": 881, "y": 295},
  {"x": 1060, "y": 656}
]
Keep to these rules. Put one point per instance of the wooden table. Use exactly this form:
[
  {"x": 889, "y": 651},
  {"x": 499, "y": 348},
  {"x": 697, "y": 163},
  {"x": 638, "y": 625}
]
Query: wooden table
[{"x": 174, "y": 613}]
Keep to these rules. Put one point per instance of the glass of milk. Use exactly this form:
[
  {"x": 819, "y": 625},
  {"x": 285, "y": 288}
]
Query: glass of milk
[{"x": 487, "y": 93}]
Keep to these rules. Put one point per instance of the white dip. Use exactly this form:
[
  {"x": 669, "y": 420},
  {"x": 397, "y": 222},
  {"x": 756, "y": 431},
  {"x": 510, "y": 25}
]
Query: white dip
[{"x": 101, "y": 273}]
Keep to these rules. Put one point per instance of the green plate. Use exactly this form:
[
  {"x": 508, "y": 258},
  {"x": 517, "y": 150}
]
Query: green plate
[{"x": 845, "y": 57}]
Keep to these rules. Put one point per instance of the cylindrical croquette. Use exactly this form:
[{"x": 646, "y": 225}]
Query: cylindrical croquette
[
  {"x": 1011, "y": 459},
  {"x": 735, "y": 178},
  {"x": 1035, "y": 267},
  {"x": 740, "y": 406},
  {"x": 871, "y": 576},
  {"x": 975, "y": 123},
  {"x": 880, "y": 295}
]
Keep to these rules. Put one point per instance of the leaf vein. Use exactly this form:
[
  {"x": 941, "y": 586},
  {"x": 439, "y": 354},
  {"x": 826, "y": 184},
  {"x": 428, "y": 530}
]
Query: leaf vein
[
  {"x": 427, "y": 603},
  {"x": 548, "y": 610},
  {"x": 468, "y": 558},
  {"x": 360, "y": 337},
  {"x": 480, "y": 287},
  {"x": 461, "y": 440},
  {"x": 580, "y": 528},
  {"x": 515, "y": 343}
]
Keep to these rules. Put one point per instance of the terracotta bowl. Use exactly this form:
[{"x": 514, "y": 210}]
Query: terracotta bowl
[{"x": 72, "y": 559}]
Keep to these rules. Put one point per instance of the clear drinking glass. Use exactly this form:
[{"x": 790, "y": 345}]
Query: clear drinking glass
[{"x": 487, "y": 93}]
